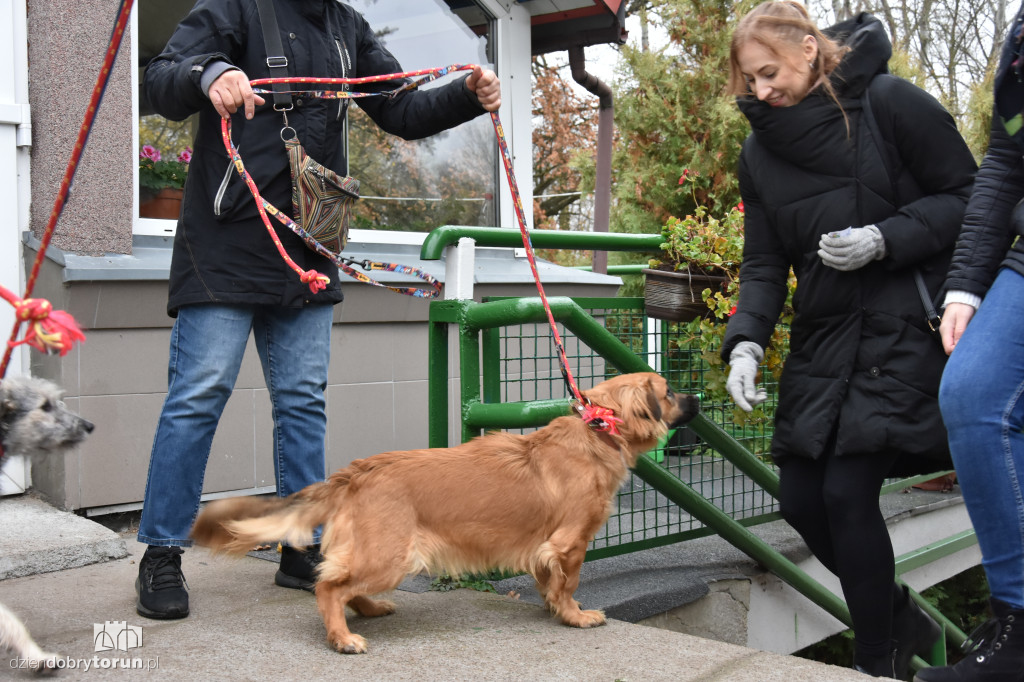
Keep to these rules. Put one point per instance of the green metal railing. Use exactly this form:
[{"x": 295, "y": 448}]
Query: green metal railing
[{"x": 601, "y": 338}]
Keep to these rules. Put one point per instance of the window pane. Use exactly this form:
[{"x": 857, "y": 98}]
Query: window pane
[
  {"x": 164, "y": 146},
  {"x": 447, "y": 179},
  {"x": 409, "y": 186}
]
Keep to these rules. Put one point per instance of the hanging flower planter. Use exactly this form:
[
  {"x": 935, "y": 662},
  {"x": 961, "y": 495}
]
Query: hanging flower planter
[{"x": 678, "y": 296}]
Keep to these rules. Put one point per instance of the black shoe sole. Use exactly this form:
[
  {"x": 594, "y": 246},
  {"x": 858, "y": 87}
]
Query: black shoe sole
[
  {"x": 282, "y": 579},
  {"x": 155, "y": 615}
]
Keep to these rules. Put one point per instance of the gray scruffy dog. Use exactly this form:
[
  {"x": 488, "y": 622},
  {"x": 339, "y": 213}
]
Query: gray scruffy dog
[{"x": 33, "y": 422}]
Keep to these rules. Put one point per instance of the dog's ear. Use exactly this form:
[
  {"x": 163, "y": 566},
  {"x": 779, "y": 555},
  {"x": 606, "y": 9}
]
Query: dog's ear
[
  {"x": 654, "y": 400},
  {"x": 7, "y": 404}
]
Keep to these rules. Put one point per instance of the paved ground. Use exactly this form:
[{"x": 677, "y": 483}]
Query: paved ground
[{"x": 243, "y": 627}]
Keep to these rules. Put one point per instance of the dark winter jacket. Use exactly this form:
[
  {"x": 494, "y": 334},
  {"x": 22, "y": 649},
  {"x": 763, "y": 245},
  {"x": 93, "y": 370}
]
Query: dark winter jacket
[
  {"x": 863, "y": 370},
  {"x": 222, "y": 252},
  {"x": 984, "y": 243}
]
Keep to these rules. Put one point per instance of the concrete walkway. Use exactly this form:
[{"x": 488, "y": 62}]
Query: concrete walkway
[{"x": 243, "y": 627}]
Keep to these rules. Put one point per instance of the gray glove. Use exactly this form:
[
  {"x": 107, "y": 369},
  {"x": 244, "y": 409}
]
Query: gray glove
[
  {"x": 743, "y": 363},
  {"x": 851, "y": 248}
]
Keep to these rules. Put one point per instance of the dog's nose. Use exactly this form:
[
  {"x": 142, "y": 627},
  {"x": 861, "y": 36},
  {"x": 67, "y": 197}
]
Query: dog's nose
[
  {"x": 88, "y": 425},
  {"x": 691, "y": 404}
]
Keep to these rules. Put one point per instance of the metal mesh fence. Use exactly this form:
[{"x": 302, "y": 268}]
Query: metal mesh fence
[{"x": 528, "y": 369}]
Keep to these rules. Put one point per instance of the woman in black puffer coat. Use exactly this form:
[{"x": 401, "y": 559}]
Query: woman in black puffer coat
[{"x": 857, "y": 397}]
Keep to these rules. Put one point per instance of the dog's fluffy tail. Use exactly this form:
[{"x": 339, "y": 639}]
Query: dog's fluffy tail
[{"x": 236, "y": 525}]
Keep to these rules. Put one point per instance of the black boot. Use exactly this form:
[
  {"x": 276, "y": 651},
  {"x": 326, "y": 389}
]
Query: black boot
[
  {"x": 876, "y": 666},
  {"x": 996, "y": 651},
  {"x": 914, "y": 632},
  {"x": 298, "y": 567}
]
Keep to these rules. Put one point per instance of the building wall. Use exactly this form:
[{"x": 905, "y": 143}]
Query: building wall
[{"x": 66, "y": 45}]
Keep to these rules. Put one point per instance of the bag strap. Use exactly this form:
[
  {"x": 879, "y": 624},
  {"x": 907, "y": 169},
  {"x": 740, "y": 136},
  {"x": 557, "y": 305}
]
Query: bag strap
[
  {"x": 930, "y": 315},
  {"x": 277, "y": 62}
]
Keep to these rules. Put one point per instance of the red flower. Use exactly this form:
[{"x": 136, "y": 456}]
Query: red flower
[
  {"x": 686, "y": 174},
  {"x": 739, "y": 207},
  {"x": 731, "y": 312}
]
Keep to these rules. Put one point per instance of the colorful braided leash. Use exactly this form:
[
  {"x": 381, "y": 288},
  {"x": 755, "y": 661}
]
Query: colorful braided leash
[{"x": 599, "y": 418}]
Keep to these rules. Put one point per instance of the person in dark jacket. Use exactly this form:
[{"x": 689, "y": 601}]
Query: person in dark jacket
[
  {"x": 228, "y": 280},
  {"x": 982, "y": 324},
  {"x": 853, "y": 216}
]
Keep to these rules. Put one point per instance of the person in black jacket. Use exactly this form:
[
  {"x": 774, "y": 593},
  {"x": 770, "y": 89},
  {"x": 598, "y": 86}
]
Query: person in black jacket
[
  {"x": 853, "y": 216},
  {"x": 228, "y": 280},
  {"x": 980, "y": 396}
]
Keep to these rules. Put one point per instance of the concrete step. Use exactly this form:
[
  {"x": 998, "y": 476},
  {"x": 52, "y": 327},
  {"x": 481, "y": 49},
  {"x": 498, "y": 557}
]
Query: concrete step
[
  {"x": 707, "y": 587},
  {"x": 243, "y": 627},
  {"x": 38, "y": 538}
]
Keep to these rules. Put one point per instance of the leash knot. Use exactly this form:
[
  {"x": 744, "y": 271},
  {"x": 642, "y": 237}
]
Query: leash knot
[
  {"x": 49, "y": 330},
  {"x": 53, "y": 332},
  {"x": 315, "y": 280},
  {"x": 600, "y": 418}
]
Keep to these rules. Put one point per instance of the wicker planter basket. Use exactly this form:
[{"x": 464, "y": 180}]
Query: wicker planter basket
[{"x": 677, "y": 296}]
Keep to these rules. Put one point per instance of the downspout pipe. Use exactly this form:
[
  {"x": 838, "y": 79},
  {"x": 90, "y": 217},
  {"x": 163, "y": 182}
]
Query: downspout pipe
[{"x": 605, "y": 125}]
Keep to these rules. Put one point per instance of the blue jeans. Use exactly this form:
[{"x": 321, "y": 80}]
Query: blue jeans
[
  {"x": 981, "y": 401},
  {"x": 207, "y": 344}
]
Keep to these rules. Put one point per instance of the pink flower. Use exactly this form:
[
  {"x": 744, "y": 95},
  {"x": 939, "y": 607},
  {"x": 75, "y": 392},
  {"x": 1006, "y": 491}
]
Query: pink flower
[
  {"x": 185, "y": 156},
  {"x": 149, "y": 152}
]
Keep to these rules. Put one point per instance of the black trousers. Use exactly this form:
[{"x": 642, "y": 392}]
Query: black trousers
[{"x": 833, "y": 503}]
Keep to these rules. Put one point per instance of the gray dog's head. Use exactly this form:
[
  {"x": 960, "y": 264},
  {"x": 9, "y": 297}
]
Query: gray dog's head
[{"x": 34, "y": 420}]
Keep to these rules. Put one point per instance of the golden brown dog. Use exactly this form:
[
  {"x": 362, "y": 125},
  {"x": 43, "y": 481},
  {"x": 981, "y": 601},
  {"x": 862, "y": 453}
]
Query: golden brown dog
[{"x": 522, "y": 502}]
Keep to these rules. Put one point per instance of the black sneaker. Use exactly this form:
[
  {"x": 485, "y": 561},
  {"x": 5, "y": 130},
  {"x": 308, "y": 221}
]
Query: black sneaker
[
  {"x": 298, "y": 568},
  {"x": 161, "y": 585}
]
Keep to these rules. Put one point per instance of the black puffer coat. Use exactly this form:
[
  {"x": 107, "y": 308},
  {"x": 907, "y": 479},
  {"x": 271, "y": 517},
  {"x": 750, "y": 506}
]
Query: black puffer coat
[
  {"x": 222, "y": 252},
  {"x": 863, "y": 366},
  {"x": 984, "y": 243}
]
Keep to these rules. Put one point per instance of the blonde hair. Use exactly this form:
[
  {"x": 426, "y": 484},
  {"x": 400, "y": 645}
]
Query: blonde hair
[{"x": 781, "y": 26}]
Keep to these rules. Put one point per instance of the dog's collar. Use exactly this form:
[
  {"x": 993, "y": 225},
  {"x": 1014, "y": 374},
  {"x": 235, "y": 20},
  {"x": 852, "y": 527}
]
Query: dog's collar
[{"x": 597, "y": 417}]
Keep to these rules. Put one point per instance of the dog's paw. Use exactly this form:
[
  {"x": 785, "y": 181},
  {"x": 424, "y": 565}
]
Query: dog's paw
[
  {"x": 585, "y": 619},
  {"x": 348, "y": 643},
  {"x": 45, "y": 665}
]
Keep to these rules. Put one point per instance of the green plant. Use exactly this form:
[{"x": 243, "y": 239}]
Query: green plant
[
  {"x": 703, "y": 243},
  {"x": 446, "y": 583},
  {"x": 157, "y": 173}
]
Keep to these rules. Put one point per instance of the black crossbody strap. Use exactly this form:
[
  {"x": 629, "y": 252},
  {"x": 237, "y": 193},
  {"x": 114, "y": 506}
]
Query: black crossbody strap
[
  {"x": 930, "y": 314},
  {"x": 276, "y": 61}
]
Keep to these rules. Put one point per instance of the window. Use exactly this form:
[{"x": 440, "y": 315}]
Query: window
[
  {"x": 449, "y": 178},
  {"x": 160, "y": 143}
]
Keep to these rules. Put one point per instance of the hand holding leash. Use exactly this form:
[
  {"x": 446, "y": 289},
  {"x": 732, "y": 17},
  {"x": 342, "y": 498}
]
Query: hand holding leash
[
  {"x": 232, "y": 91},
  {"x": 485, "y": 85}
]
